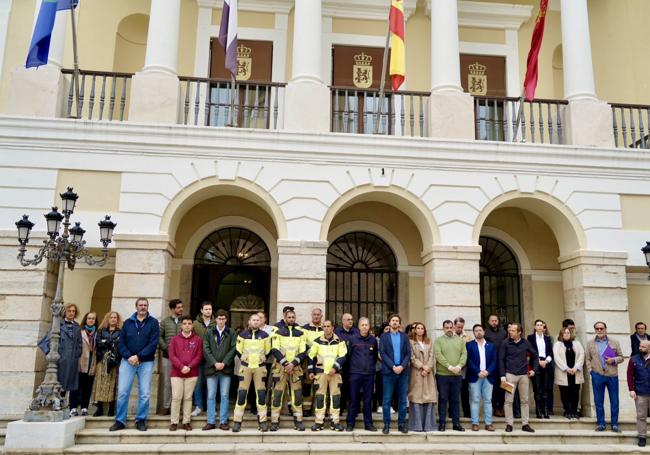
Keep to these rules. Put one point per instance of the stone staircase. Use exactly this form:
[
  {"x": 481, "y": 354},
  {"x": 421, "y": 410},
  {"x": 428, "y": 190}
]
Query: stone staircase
[{"x": 553, "y": 436}]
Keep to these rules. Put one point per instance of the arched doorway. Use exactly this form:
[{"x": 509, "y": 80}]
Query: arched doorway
[
  {"x": 232, "y": 268},
  {"x": 361, "y": 278},
  {"x": 500, "y": 282}
]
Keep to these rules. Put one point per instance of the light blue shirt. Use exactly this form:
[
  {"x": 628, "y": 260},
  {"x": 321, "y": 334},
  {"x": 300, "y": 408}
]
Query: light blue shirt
[
  {"x": 602, "y": 345},
  {"x": 396, "y": 340}
]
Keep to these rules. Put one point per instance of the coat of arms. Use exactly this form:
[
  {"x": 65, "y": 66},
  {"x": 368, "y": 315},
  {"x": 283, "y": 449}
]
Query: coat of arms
[
  {"x": 244, "y": 63},
  {"x": 362, "y": 70},
  {"x": 477, "y": 79}
]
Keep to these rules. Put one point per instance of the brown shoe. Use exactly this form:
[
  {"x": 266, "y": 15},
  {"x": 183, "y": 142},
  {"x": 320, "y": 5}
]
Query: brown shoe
[
  {"x": 489, "y": 427},
  {"x": 499, "y": 413},
  {"x": 474, "y": 427},
  {"x": 224, "y": 427},
  {"x": 208, "y": 427},
  {"x": 187, "y": 427},
  {"x": 173, "y": 427}
]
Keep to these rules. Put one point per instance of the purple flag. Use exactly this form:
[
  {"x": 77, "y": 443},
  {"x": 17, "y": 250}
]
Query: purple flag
[{"x": 228, "y": 34}]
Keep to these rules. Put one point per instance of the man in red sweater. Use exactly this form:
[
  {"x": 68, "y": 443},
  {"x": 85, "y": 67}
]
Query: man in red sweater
[{"x": 185, "y": 355}]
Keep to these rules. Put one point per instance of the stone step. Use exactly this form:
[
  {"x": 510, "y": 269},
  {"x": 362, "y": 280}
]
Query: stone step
[
  {"x": 388, "y": 447},
  {"x": 252, "y": 436}
]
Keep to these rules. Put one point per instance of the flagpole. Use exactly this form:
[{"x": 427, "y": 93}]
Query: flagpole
[
  {"x": 75, "y": 53},
  {"x": 382, "y": 83},
  {"x": 233, "y": 89},
  {"x": 519, "y": 113}
]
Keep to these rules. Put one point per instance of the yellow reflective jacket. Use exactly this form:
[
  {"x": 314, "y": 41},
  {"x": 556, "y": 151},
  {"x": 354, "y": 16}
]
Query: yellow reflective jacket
[
  {"x": 326, "y": 354},
  {"x": 289, "y": 344},
  {"x": 312, "y": 332},
  {"x": 253, "y": 346}
]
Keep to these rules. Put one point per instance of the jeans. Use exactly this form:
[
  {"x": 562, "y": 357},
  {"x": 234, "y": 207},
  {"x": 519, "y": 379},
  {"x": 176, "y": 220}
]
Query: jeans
[
  {"x": 223, "y": 381},
  {"x": 449, "y": 392},
  {"x": 391, "y": 384},
  {"x": 125, "y": 377},
  {"x": 599, "y": 383},
  {"x": 481, "y": 390},
  {"x": 198, "y": 390},
  {"x": 359, "y": 382}
]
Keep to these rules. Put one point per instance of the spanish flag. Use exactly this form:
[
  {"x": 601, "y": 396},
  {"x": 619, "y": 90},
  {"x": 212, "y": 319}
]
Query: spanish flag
[
  {"x": 397, "y": 54},
  {"x": 530, "y": 82}
]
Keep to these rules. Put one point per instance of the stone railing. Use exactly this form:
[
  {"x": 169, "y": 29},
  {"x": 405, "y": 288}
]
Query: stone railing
[
  {"x": 103, "y": 95},
  {"x": 631, "y": 124}
]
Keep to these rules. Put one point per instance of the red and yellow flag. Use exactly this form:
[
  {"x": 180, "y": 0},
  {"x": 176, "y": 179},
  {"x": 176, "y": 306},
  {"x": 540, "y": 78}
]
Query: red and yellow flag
[
  {"x": 530, "y": 83},
  {"x": 397, "y": 54}
]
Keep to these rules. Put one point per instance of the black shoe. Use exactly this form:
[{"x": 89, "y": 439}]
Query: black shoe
[
  {"x": 349, "y": 428},
  {"x": 236, "y": 427},
  {"x": 117, "y": 426},
  {"x": 111, "y": 409},
  {"x": 600, "y": 428},
  {"x": 386, "y": 429},
  {"x": 545, "y": 415},
  {"x": 508, "y": 428},
  {"x": 527, "y": 429},
  {"x": 370, "y": 428},
  {"x": 275, "y": 426},
  {"x": 99, "y": 411},
  {"x": 298, "y": 425},
  {"x": 337, "y": 427},
  {"x": 141, "y": 425},
  {"x": 641, "y": 442},
  {"x": 263, "y": 427},
  {"x": 457, "y": 428},
  {"x": 402, "y": 429},
  {"x": 538, "y": 414},
  {"x": 441, "y": 427},
  {"x": 616, "y": 429},
  {"x": 317, "y": 427}
]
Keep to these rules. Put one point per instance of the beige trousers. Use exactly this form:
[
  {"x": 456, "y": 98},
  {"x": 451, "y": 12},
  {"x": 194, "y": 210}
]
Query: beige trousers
[
  {"x": 642, "y": 403},
  {"x": 521, "y": 383},
  {"x": 324, "y": 384},
  {"x": 182, "y": 390}
]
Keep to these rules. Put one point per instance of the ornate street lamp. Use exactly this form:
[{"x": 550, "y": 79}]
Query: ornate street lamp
[
  {"x": 646, "y": 251},
  {"x": 63, "y": 250}
]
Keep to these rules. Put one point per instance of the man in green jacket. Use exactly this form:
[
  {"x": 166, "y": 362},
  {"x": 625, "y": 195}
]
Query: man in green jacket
[
  {"x": 451, "y": 357},
  {"x": 204, "y": 322},
  {"x": 219, "y": 345},
  {"x": 169, "y": 328}
]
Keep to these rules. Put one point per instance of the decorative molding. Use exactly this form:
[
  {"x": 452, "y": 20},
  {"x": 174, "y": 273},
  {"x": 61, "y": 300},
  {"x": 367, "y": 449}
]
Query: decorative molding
[
  {"x": 260, "y": 6},
  {"x": 490, "y": 15},
  {"x": 364, "y": 9}
]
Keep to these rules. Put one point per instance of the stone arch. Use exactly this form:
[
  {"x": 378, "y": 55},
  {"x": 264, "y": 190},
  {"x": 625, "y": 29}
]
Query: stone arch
[
  {"x": 102, "y": 296},
  {"x": 397, "y": 197},
  {"x": 512, "y": 243},
  {"x": 202, "y": 190},
  {"x": 376, "y": 229},
  {"x": 563, "y": 222}
]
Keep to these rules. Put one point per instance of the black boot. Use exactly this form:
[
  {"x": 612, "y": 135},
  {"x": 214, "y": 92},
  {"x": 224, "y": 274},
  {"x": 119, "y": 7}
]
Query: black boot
[
  {"x": 100, "y": 409},
  {"x": 111, "y": 409}
]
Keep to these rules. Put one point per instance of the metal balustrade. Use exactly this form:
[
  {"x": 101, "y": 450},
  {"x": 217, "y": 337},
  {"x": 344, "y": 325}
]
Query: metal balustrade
[
  {"x": 357, "y": 111},
  {"x": 103, "y": 95},
  {"x": 540, "y": 120},
  {"x": 214, "y": 102},
  {"x": 631, "y": 124}
]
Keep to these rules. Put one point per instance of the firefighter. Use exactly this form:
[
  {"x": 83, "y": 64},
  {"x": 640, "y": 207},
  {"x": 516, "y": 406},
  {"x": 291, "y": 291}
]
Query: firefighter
[
  {"x": 313, "y": 330},
  {"x": 326, "y": 357},
  {"x": 253, "y": 346}
]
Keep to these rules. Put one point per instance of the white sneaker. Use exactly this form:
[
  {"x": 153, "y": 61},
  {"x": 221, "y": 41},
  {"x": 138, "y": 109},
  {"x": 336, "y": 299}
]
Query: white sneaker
[
  {"x": 84, "y": 411},
  {"x": 73, "y": 412},
  {"x": 196, "y": 412},
  {"x": 392, "y": 411}
]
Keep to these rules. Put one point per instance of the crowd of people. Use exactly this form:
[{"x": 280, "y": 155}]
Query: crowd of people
[{"x": 325, "y": 370}]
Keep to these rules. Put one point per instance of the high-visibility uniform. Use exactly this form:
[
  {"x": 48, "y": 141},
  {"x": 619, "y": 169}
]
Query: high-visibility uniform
[
  {"x": 325, "y": 355},
  {"x": 311, "y": 333},
  {"x": 288, "y": 345},
  {"x": 253, "y": 346}
]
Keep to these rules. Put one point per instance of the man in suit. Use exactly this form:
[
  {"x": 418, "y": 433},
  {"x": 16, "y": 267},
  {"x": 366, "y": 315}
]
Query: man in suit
[
  {"x": 481, "y": 366},
  {"x": 638, "y": 336}
]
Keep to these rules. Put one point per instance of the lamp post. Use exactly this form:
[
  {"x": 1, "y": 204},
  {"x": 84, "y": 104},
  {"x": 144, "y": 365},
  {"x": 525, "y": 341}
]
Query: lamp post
[
  {"x": 646, "y": 252},
  {"x": 63, "y": 250}
]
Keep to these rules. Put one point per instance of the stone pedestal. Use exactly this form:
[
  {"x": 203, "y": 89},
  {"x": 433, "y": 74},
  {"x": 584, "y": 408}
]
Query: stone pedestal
[
  {"x": 41, "y": 437},
  {"x": 595, "y": 289},
  {"x": 307, "y": 106},
  {"x": 451, "y": 286},
  {"x": 451, "y": 115},
  {"x": 37, "y": 92},
  {"x": 302, "y": 273},
  {"x": 588, "y": 122},
  {"x": 154, "y": 98}
]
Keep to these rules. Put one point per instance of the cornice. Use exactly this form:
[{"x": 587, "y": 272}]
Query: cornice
[
  {"x": 490, "y": 15},
  {"x": 260, "y": 6}
]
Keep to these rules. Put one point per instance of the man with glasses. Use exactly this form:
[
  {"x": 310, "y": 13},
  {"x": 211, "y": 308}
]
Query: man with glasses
[{"x": 602, "y": 356}]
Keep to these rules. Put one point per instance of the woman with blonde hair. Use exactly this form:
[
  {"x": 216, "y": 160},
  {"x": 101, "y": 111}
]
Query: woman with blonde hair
[
  {"x": 423, "y": 394},
  {"x": 569, "y": 356},
  {"x": 108, "y": 360}
]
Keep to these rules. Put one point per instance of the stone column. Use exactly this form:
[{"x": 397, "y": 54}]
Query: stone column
[
  {"x": 451, "y": 286},
  {"x": 595, "y": 289},
  {"x": 451, "y": 112},
  {"x": 588, "y": 121},
  {"x": 302, "y": 277},
  {"x": 25, "y": 316},
  {"x": 155, "y": 90},
  {"x": 307, "y": 98},
  {"x": 42, "y": 92}
]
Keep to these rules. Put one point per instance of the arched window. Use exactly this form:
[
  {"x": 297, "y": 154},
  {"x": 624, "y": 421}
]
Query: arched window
[
  {"x": 233, "y": 246},
  {"x": 500, "y": 282},
  {"x": 361, "y": 278}
]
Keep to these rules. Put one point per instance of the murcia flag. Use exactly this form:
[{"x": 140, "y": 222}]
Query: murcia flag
[
  {"x": 397, "y": 53},
  {"x": 530, "y": 83},
  {"x": 39, "y": 48},
  {"x": 228, "y": 34}
]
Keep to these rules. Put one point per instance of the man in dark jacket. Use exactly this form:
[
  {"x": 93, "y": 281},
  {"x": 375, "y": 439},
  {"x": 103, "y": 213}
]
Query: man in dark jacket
[
  {"x": 496, "y": 334},
  {"x": 219, "y": 343},
  {"x": 138, "y": 344},
  {"x": 345, "y": 333},
  {"x": 362, "y": 360},
  {"x": 638, "y": 383},
  {"x": 638, "y": 336},
  {"x": 517, "y": 362},
  {"x": 395, "y": 352},
  {"x": 481, "y": 366}
]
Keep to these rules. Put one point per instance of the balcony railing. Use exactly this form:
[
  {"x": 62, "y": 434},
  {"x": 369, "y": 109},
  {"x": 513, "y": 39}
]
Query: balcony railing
[
  {"x": 103, "y": 95},
  {"x": 498, "y": 119},
  {"x": 631, "y": 124},
  {"x": 357, "y": 111},
  {"x": 214, "y": 102}
]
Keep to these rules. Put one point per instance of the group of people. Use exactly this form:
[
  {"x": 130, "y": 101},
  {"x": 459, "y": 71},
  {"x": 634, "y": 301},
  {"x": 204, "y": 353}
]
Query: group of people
[{"x": 323, "y": 369}]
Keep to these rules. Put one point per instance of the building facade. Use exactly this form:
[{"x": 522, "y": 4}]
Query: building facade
[{"x": 277, "y": 193}]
